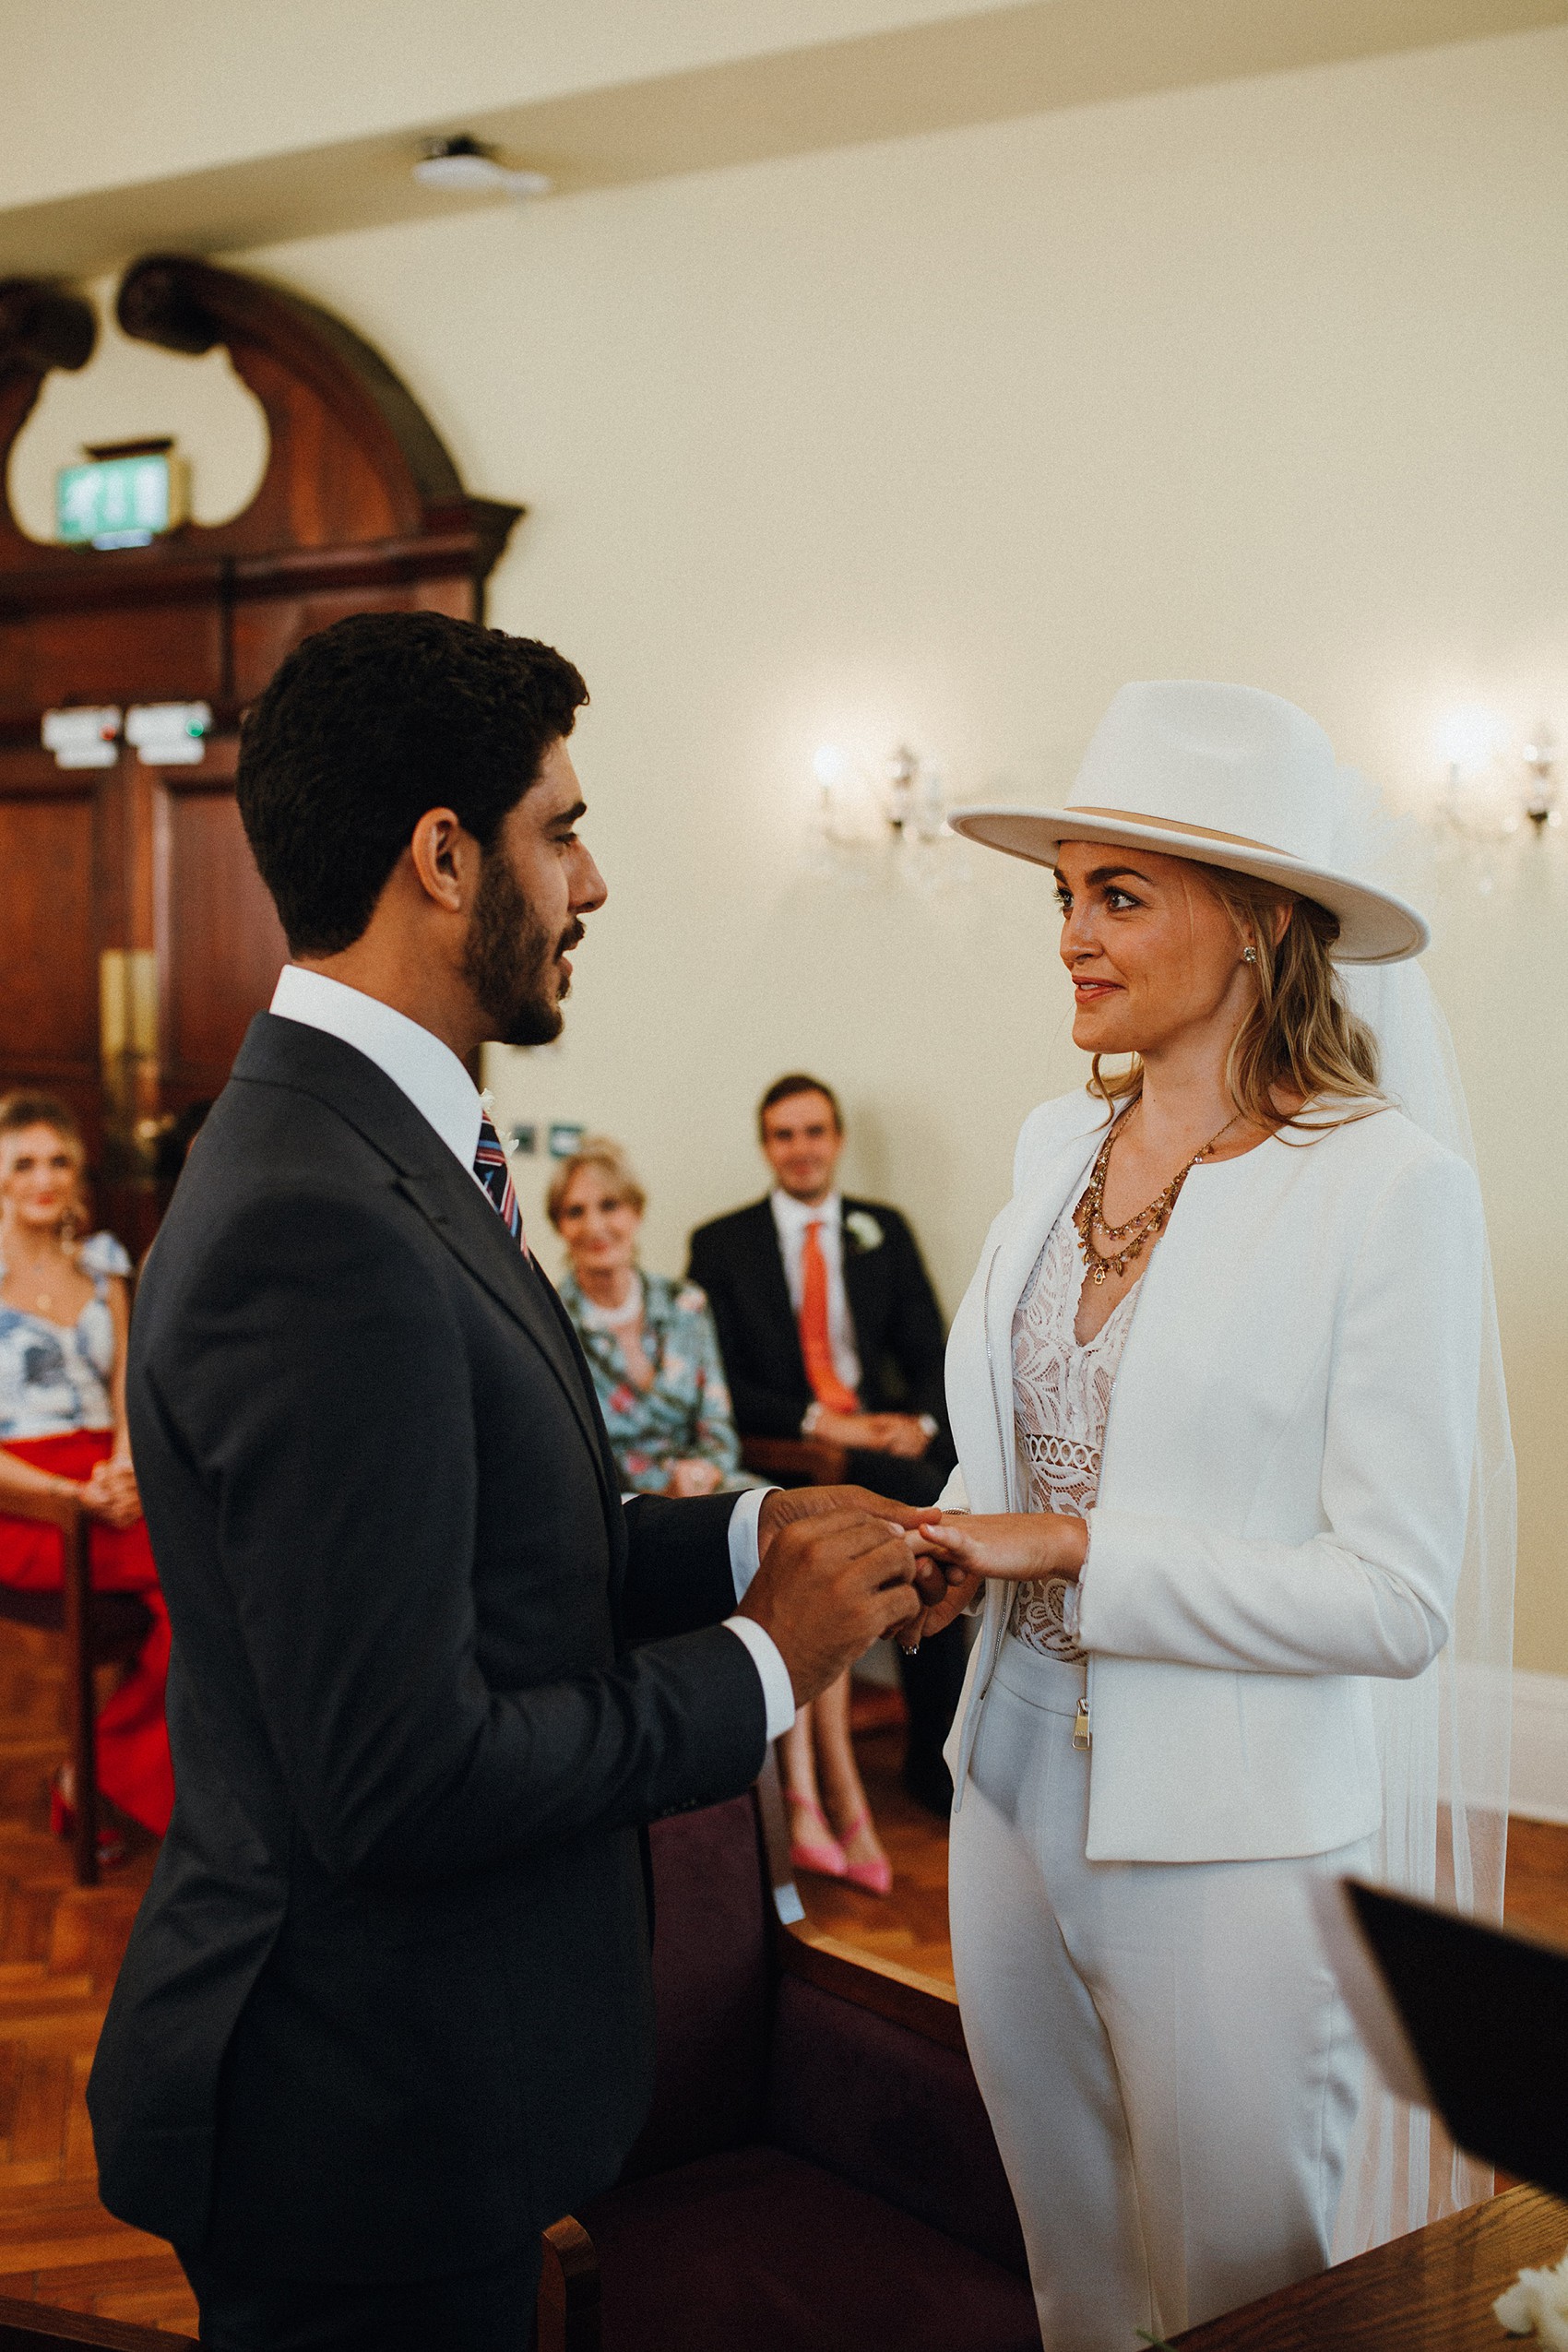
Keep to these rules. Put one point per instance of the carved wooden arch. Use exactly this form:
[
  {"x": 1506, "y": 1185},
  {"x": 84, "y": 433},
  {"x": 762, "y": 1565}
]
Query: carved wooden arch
[
  {"x": 136, "y": 939},
  {"x": 361, "y": 505}
]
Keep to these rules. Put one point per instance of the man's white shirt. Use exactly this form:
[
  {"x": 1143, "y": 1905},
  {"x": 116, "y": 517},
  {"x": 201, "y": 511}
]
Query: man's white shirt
[{"x": 446, "y": 1097}]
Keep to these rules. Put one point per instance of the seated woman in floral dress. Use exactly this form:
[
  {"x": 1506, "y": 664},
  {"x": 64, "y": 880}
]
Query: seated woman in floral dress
[
  {"x": 650, "y": 1342},
  {"x": 63, "y": 1328},
  {"x": 654, "y": 1354}
]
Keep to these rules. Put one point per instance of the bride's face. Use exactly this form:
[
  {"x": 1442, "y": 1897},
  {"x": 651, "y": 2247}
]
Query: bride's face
[{"x": 1152, "y": 952}]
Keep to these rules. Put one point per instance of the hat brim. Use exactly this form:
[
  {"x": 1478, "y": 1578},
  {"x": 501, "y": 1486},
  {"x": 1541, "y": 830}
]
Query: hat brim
[{"x": 1374, "y": 926}]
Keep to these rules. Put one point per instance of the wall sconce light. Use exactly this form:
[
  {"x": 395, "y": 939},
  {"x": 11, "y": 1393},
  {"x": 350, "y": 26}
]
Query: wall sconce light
[
  {"x": 1540, "y": 793},
  {"x": 870, "y": 821},
  {"x": 1490, "y": 796}
]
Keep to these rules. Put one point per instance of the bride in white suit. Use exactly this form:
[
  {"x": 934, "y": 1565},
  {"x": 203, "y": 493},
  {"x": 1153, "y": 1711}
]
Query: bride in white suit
[{"x": 1214, "y": 1388}]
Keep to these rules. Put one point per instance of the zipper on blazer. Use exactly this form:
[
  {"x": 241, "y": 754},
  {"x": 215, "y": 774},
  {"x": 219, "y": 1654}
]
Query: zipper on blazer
[{"x": 1083, "y": 1737}]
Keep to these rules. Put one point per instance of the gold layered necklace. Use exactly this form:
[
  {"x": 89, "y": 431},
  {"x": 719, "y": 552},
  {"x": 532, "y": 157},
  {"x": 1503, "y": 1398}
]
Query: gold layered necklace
[{"x": 1129, "y": 1242}]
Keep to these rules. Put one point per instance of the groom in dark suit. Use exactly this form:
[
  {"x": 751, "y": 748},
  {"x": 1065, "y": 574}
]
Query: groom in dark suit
[
  {"x": 387, "y": 2008},
  {"x": 829, "y": 1328}
]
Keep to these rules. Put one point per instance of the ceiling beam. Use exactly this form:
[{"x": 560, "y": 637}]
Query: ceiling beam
[{"x": 991, "y": 67}]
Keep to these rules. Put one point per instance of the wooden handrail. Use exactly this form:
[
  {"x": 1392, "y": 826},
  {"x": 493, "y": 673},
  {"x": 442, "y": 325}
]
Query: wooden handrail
[{"x": 66, "y": 1512}]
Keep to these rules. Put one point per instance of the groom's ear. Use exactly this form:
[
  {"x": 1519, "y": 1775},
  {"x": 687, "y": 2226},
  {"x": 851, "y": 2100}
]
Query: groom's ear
[{"x": 445, "y": 858}]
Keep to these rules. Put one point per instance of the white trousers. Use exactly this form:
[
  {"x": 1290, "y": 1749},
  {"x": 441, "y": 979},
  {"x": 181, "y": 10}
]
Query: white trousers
[{"x": 1169, "y": 2071}]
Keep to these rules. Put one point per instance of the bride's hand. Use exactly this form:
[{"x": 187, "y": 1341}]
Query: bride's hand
[
  {"x": 1018, "y": 1545},
  {"x": 941, "y": 1614}
]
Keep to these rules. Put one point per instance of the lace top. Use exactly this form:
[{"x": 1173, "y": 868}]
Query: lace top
[
  {"x": 54, "y": 1377},
  {"x": 1061, "y": 1396}
]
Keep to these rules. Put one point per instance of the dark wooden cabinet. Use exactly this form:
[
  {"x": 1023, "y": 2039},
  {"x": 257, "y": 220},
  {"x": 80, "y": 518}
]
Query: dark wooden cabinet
[{"x": 136, "y": 937}]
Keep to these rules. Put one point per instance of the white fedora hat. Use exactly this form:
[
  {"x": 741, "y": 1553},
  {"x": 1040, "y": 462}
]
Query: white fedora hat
[{"x": 1223, "y": 775}]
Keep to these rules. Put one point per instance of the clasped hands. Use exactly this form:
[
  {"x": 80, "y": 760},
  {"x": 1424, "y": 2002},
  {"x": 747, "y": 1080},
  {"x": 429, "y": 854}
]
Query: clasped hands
[
  {"x": 1013, "y": 1547},
  {"x": 110, "y": 1493},
  {"x": 840, "y": 1567}
]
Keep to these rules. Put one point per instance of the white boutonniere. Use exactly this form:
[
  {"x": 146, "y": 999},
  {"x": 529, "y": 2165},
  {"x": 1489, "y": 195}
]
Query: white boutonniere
[
  {"x": 1537, "y": 2301},
  {"x": 863, "y": 1231}
]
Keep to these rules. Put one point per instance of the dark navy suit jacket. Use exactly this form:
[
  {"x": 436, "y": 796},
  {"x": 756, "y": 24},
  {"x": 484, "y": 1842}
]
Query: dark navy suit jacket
[{"x": 387, "y": 2008}]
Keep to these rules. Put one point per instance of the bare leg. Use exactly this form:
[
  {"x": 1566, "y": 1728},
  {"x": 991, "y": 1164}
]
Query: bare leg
[
  {"x": 843, "y": 1790},
  {"x": 798, "y": 1755},
  {"x": 809, "y": 1833}
]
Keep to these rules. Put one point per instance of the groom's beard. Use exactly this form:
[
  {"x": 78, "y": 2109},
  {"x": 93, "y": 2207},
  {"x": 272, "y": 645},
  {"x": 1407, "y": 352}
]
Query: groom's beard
[{"x": 510, "y": 960}]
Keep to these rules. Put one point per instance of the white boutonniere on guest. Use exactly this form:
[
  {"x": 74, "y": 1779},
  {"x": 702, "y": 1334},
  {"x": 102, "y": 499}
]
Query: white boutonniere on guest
[
  {"x": 1538, "y": 2303},
  {"x": 863, "y": 1231}
]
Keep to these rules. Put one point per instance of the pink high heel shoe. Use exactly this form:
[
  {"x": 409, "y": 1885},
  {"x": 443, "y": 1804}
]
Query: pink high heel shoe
[
  {"x": 824, "y": 1855},
  {"x": 875, "y": 1877}
]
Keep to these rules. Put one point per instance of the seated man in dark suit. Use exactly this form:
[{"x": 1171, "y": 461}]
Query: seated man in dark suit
[{"x": 829, "y": 1328}]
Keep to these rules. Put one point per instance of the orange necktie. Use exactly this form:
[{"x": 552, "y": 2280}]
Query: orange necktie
[{"x": 816, "y": 1345}]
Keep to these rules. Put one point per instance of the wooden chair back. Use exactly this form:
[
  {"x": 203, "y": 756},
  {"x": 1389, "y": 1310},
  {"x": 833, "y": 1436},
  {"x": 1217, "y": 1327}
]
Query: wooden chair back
[
  {"x": 795, "y": 1461},
  {"x": 64, "y": 1511}
]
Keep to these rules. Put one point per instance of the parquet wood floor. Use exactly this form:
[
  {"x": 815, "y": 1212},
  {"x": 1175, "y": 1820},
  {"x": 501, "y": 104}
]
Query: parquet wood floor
[{"x": 60, "y": 1947}]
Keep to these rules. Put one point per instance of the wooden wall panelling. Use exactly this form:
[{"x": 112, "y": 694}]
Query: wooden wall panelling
[
  {"x": 49, "y": 831},
  {"x": 136, "y": 937},
  {"x": 220, "y": 946},
  {"x": 167, "y": 645}
]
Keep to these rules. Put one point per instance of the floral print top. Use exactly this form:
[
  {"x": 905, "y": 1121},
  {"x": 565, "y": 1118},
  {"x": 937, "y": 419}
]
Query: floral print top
[
  {"x": 54, "y": 1377},
  {"x": 686, "y": 1415}
]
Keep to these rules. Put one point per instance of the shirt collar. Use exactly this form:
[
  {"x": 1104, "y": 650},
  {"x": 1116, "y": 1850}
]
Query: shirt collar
[
  {"x": 413, "y": 1058},
  {"x": 791, "y": 1216}
]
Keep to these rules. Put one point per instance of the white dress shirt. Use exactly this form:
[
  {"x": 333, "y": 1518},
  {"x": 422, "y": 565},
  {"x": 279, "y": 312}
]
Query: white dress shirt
[
  {"x": 443, "y": 1093},
  {"x": 791, "y": 1219}
]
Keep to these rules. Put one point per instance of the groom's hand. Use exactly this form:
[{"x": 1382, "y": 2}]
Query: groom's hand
[
  {"x": 785, "y": 1505},
  {"x": 832, "y": 1581}
]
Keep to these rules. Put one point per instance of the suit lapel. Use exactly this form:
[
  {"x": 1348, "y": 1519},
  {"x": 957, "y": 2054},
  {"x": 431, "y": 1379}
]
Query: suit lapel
[
  {"x": 289, "y": 1054},
  {"x": 1015, "y": 1243},
  {"x": 863, "y": 1278},
  {"x": 461, "y": 1217}
]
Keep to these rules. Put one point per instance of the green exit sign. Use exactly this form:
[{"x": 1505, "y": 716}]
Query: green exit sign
[{"x": 122, "y": 500}]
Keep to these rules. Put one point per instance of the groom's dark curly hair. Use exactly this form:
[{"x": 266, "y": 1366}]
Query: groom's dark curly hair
[{"x": 368, "y": 724}]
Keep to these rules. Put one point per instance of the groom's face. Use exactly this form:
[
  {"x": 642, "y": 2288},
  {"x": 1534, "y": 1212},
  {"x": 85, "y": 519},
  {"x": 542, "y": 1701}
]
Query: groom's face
[{"x": 538, "y": 882}]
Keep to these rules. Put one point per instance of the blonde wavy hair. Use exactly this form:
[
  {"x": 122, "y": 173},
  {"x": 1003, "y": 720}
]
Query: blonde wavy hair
[
  {"x": 595, "y": 1151},
  {"x": 1301, "y": 1041}
]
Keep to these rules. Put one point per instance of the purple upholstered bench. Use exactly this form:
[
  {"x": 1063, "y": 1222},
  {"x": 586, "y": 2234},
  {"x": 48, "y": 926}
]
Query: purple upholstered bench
[{"x": 818, "y": 2173}]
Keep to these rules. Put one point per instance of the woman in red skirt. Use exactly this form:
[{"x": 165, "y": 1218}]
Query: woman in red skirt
[{"x": 63, "y": 1325}]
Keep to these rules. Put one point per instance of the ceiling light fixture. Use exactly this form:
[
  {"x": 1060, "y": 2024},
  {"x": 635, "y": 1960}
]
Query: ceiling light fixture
[{"x": 464, "y": 166}]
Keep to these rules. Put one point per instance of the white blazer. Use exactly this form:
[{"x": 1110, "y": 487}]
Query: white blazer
[{"x": 1285, "y": 1479}]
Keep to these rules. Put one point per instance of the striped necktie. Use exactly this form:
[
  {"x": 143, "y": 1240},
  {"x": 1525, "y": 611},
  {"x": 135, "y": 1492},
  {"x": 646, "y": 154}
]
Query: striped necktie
[{"x": 490, "y": 1167}]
